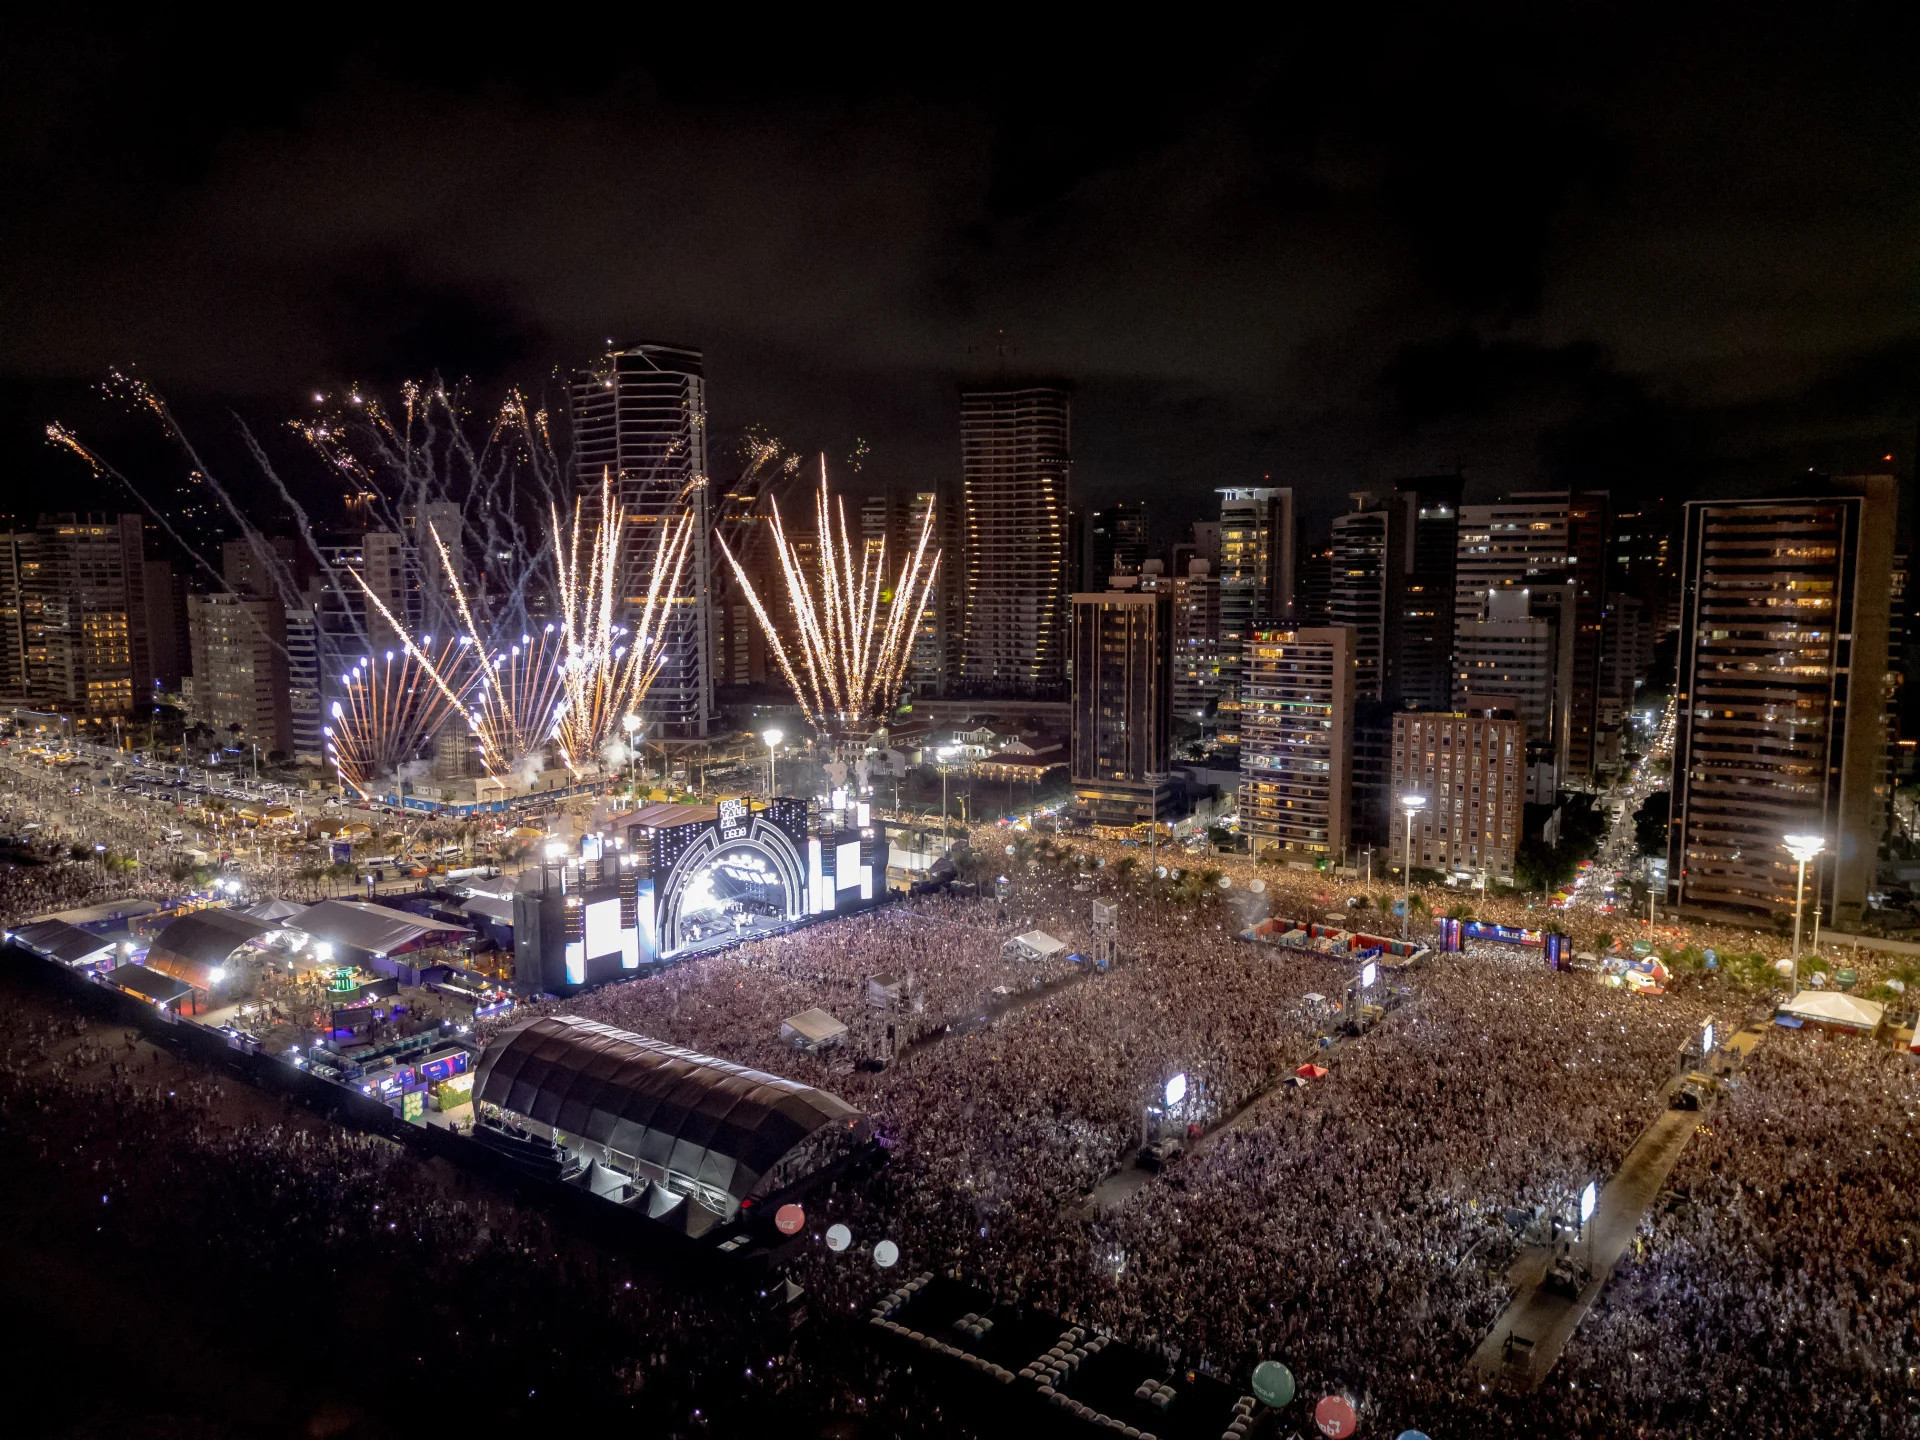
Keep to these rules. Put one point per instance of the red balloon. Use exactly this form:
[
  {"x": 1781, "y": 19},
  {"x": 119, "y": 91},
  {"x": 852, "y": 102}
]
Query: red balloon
[
  {"x": 788, "y": 1219},
  {"x": 1334, "y": 1417}
]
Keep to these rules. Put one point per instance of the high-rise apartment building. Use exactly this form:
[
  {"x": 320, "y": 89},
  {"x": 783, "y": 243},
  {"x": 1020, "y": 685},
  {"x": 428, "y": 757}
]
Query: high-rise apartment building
[
  {"x": 1781, "y": 698},
  {"x": 305, "y": 741},
  {"x": 1257, "y": 554},
  {"x": 1016, "y": 463},
  {"x": 1296, "y": 723},
  {"x": 640, "y": 419},
  {"x": 165, "y": 592},
  {"x": 1469, "y": 765},
  {"x": 19, "y": 611},
  {"x": 1544, "y": 540},
  {"x": 86, "y": 593},
  {"x": 1643, "y": 559},
  {"x": 1521, "y": 647},
  {"x": 1425, "y": 647},
  {"x": 1196, "y": 641},
  {"x": 1367, "y": 590},
  {"x": 1114, "y": 542},
  {"x": 241, "y": 685},
  {"x": 937, "y": 630},
  {"x": 1122, "y": 700}
]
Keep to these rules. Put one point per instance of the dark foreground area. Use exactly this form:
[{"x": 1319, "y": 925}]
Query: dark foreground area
[{"x": 197, "y": 1257}]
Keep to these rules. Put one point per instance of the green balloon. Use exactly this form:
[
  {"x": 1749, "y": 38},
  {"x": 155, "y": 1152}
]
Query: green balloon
[{"x": 1273, "y": 1383}]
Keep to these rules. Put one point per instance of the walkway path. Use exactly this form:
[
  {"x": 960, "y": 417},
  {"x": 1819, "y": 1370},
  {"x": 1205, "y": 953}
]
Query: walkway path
[{"x": 1539, "y": 1321}]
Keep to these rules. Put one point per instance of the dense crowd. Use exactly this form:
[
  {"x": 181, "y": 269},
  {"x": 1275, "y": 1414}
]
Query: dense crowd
[
  {"x": 386, "y": 1276},
  {"x": 1360, "y": 1227}
]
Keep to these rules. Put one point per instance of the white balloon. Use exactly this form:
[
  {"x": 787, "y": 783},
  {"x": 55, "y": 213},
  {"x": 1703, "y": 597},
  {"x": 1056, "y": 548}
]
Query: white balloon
[
  {"x": 838, "y": 1238},
  {"x": 886, "y": 1254}
]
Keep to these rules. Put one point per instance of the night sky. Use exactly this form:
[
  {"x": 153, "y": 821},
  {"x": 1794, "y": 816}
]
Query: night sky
[{"x": 1610, "y": 251}]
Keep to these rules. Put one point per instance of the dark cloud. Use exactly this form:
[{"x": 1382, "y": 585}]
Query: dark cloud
[{"x": 1539, "y": 246}]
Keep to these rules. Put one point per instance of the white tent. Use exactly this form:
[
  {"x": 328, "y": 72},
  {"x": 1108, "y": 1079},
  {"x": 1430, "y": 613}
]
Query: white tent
[
  {"x": 1034, "y": 945},
  {"x": 812, "y": 1030},
  {"x": 1831, "y": 1008}
]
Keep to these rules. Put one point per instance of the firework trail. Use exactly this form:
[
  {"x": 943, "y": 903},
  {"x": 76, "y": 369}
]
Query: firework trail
[
  {"x": 389, "y": 709},
  {"x": 606, "y": 669},
  {"x": 852, "y": 658}
]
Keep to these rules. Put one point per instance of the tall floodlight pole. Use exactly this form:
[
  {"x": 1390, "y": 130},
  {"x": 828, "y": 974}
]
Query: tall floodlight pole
[
  {"x": 773, "y": 739},
  {"x": 1803, "y": 848},
  {"x": 1411, "y": 804}
]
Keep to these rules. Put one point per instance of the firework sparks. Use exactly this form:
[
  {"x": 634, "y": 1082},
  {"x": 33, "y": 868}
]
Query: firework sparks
[
  {"x": 852, "y": 657},
  {"x": 606, "y": 669},
  {"x": 390, "y": 706}
]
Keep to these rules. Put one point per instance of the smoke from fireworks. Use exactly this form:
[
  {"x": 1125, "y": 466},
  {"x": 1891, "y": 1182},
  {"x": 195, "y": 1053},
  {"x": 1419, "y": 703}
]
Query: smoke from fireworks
[{"x": 852, "y": 658}]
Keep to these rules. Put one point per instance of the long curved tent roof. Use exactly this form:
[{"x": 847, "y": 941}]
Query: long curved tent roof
[
  {"x": 194, "y": 946},
  {"x": 717, "y": 1123}
]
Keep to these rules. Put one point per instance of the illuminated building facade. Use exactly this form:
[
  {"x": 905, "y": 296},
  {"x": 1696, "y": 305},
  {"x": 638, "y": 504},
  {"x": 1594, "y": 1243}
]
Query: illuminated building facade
[
  {"x": 1122, "y": 706},
  {"x": 1544, "y": 539},
  {"x": 640, "y": 415},
  {"x": 84, "y": 622},
  {"x": 1296, "y": 735},
  {"x": 1016, "y": 469},
  {"x": 1257, "y": 555},
  {"x": 1781, "y": 698},
  {"x": 1470, "y": 764}
]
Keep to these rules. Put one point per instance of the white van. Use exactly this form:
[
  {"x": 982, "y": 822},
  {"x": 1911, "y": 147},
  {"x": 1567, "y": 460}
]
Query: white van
[{"x": 172, "y": 837}]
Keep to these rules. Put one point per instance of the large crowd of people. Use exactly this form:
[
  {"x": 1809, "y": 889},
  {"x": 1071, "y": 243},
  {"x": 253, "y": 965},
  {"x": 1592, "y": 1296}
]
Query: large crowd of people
[
  {"x": 1361, "y": 1226},
  {"x": 346, "y": 1282}
]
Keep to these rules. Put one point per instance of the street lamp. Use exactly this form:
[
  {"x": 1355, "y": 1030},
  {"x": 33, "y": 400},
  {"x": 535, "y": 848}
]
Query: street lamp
[
  {"x": 773, "y": 739},
  {"x": 1410, "y": 803},
  {"x": 632, "y": 723},
  {"x": 1803, "y": 848}
]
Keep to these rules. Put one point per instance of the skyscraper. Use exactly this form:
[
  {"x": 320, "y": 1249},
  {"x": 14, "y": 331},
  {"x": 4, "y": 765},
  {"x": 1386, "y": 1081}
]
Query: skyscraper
[
  {"x": 1469, "y": 765},
  {"x": 640, "y": 417},
  {"x": 1016, "y": 469},
  {"x": 1257, "y": 552},
  {"x": 1425, "y": 649},
  {"x": 1367, "y": 590},
  {"x": 1780, "y": 697},
  {"x": 1521, "y": 647},
  {"x": 241, "y": 684},
  {"x": 1122, "y": 706},
  {"x": 1296, "y": 723},
  {"x": 1115, "y": 543},
  {"x": 1544, "y": 539},
  {"x": 1196, "y": 640},
  {"x": 87, "y": 594}
]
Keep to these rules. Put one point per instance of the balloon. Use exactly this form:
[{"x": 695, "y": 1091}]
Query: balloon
[
  {"x": 1334, "y": 1417},
  {"x": 788, "y": 1219},
  {"x": 1273, "y": 1383},
  {"x": 838, "y": 1238},
  {"x": 885, "y": 1254},
  {"x": 1413, "y": 1435}
]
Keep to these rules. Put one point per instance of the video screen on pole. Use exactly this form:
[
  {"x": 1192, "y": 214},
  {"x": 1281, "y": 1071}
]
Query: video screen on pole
[{"x": 603, "y": 928}]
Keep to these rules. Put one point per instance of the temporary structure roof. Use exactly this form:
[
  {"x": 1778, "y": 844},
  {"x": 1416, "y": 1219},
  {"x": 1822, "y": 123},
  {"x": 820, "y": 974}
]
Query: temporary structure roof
[
  {"x": 815, "y": 1026},
  {"x": 105, "y": 911},
  {"x": 192, "y": 947},
  {"x": 665, "y": 814},
  {"x": 1042, "y": 945},
  {"x": 270, "y": 909},
  {"x": 58, "y": 941},
  {"x": 716, "y": 1124},
  {"x": 1827, "y": 1007},
  {"x": 149, "y": 983},
  {"x": 377, "y": 929}
]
